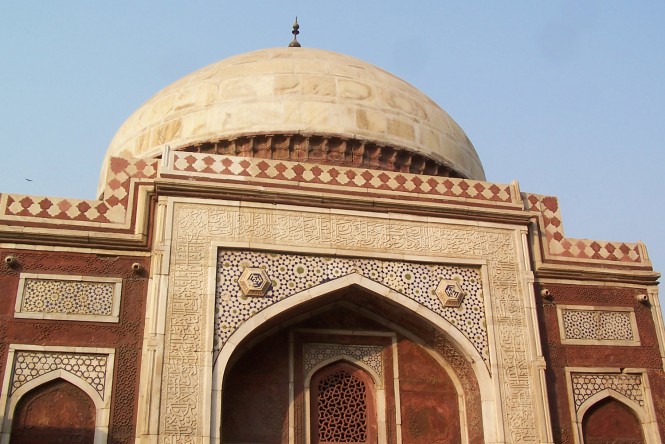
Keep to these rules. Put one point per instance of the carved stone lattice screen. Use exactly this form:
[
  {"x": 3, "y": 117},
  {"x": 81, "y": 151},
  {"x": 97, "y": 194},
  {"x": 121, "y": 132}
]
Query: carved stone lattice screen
[{"x": 342, "y": 408}]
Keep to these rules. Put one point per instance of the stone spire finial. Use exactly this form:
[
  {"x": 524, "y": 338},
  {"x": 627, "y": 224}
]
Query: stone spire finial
[{"x": 295, "y": 43}]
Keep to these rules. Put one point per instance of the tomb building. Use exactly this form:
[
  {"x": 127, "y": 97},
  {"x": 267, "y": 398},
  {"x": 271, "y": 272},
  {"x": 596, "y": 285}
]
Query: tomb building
[{"x": 294, "y": 246}]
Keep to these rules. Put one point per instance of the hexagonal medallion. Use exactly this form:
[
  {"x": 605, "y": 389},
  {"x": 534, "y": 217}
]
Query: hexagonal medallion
[
  {"x": 449, "y": 293},
  {"x": 254, "y": 282}
]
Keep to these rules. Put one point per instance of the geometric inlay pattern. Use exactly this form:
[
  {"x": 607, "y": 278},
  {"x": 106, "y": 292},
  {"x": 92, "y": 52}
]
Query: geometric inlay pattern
[
  {"x": 254, "y": 282},
  {"x": 292, "y": 273},
  {"x": 29, "y": 365},
  {"x": 351, "y": 178},
  {"x": 571, "y": 248},
  {"x": 68, "y": 297},
  {"x": 342, "y": 408},
  {"x": 585, "y": 385},
  {"x": 598, "y": 325},
  {"x": 111, "y": 209},
  {"x": 369, "y": 355}
]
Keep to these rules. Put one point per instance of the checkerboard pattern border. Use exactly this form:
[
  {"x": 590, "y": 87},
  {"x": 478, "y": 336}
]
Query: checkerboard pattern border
[
  {"x": 570, "y": 248},
  {"x": 342, "y": 177},
  {"x": 111, "y": 211}
]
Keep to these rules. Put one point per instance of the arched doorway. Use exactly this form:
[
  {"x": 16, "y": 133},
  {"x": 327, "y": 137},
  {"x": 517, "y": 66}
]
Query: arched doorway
[
  {"x": 273, "y": 376},
  {"x": 611, "y": 421},
  {"x": 54, "y": 413}
]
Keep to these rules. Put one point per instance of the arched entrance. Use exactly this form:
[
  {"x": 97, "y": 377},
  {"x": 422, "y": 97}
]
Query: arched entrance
[
  {"x": 54, "y": 413},
  {"x": 272, "y": 382}
]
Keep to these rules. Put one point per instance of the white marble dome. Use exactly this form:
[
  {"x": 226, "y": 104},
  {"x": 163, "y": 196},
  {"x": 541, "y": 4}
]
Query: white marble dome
[{"x": 295, "y": 90}]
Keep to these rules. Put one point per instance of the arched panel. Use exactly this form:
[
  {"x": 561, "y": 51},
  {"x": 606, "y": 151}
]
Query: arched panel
[
  {"x": 429, "y": 399},
  {"x": 269, "y": 383},
  {"x": 255, "y": 407},
  {"x": 35, "y": 368},
  {"x": 55, "y": 412},
  {"x": 611, "y": 421}
]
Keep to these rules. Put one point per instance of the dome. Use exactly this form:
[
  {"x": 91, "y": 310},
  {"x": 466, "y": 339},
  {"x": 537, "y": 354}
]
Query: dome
[{"x": 296, "y": 91}]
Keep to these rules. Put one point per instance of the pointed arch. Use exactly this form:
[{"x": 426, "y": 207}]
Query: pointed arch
[
  {"x": 376, "y": 379},
  {"x": 102, "y": 402},
  {"x": 464, "y": 345},
  {"x": 52, "y": 411},
  {"x": 609, "y": 393},
  {"x": 643, "y": 414},
  {"x": 610, "y": 415},
  {"x": 51, "y": 376},
  {"x": 102, "y": 407}
]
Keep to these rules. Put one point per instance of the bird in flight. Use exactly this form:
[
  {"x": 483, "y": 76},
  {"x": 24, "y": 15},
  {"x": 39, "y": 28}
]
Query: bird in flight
[{"x": 29, "y": 180}]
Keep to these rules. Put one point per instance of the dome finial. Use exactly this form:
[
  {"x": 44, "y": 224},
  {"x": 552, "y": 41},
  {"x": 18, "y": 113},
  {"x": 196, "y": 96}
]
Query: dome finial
[{"x": 294, "y": 43}]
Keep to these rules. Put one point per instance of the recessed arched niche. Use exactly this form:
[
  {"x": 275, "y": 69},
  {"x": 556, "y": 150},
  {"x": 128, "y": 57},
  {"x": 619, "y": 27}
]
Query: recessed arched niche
[
  {"x": 610, "y": 420},
  {"x": 53, "y": 413},
  {"x": 340, "y": 369}
]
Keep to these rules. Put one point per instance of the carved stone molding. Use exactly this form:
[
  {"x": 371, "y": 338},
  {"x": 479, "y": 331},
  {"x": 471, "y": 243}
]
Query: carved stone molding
[{"x": 327, "y": 150}]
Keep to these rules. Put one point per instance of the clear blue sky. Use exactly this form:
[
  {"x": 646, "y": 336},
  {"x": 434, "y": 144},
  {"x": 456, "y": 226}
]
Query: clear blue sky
[{"x": 567, "y": 97}]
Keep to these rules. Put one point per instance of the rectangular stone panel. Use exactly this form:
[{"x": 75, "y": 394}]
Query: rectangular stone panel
[
  {"x": 62, "y": 297},
  {"x": 597, "y": 325}
]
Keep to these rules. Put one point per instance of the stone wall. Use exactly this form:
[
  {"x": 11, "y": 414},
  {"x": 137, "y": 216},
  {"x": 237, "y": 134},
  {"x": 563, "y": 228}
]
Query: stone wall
[{"x": 89, "y": 334}]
